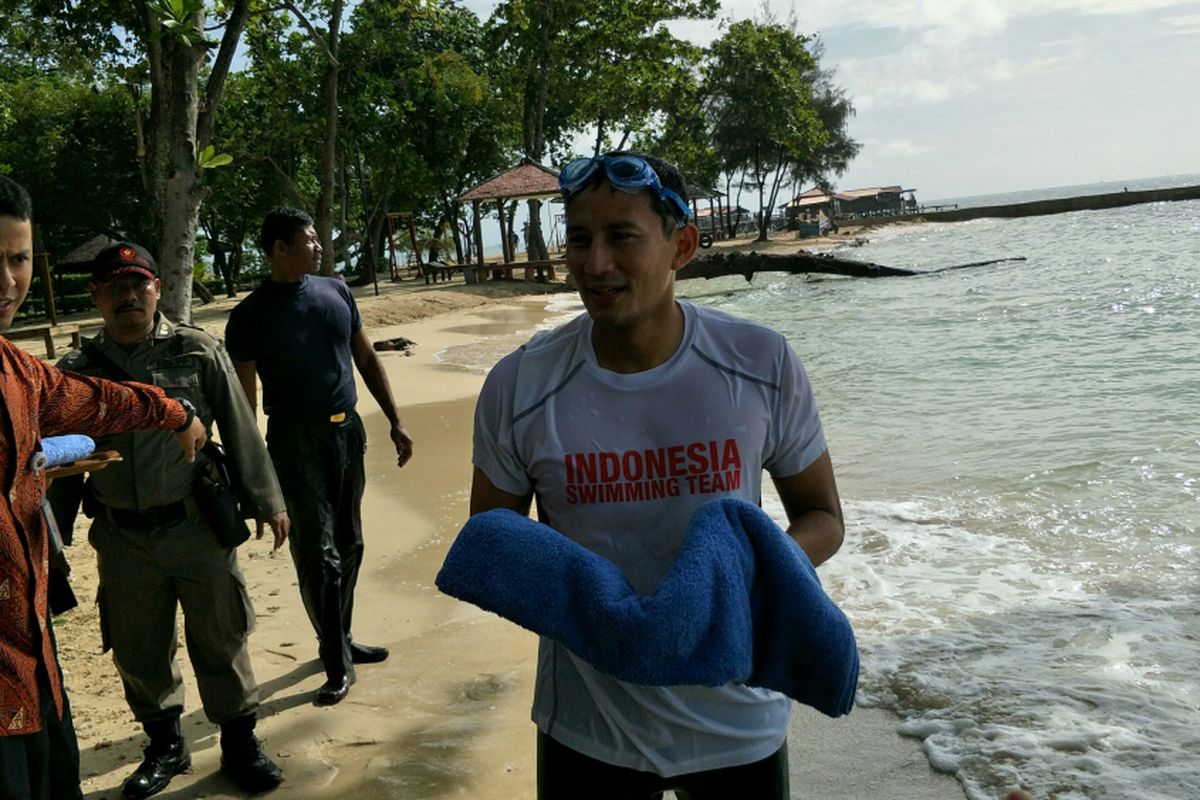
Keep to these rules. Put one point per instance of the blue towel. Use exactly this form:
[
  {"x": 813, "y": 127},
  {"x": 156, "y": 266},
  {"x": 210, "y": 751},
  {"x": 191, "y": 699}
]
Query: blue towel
[
  {"x": 61, "y": 450},
  {"x": 742, "y": 602}
]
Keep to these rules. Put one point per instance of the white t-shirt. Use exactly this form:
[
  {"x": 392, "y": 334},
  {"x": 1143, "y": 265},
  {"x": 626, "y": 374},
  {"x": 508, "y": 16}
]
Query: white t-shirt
[{"x": 619, "y": 462}]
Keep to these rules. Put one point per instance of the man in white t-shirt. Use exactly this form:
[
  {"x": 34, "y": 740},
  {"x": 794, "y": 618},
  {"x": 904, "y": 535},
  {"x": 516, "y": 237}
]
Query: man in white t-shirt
[{"x": 621, "y": 424}]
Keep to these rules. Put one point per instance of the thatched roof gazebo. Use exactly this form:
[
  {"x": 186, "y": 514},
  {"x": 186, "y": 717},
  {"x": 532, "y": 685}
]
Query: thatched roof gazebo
[
  {"x": 80, "y": 259},
  {"x": 526, "y": 181}
]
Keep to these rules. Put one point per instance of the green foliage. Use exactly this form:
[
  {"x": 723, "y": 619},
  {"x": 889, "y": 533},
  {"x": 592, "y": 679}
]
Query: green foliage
[
  {"x": 775, "y": 114},
  {"x": 422, "y": 118},
  {"x": 573, "y": 64},
  {"x": 759, "y": 91},
  {"x": 432, "y": 102},
  {"x": 72, "y": 144},
  {"x": 70, "y": 295},
  {"x": 178, "y": 18},
  {"x": 682, "y": 136},
  {"x": 80, "y": 39},
  {"x": 208, "y": 158}
]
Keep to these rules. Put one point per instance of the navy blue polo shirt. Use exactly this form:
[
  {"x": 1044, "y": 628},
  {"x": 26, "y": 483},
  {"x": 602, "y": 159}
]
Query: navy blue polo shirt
[{"x": 298, "y": 336}]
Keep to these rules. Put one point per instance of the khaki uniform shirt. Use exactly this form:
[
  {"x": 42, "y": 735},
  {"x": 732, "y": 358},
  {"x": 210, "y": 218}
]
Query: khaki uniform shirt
[{"x": 188, "y": 363}]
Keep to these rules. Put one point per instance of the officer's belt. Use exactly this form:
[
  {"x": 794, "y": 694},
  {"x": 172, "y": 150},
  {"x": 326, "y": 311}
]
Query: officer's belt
[
  {"x": 156, "y": 517},
  {"x": 288, "y": 415}
]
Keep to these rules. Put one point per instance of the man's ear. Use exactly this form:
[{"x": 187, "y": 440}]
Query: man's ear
[
  {"x": 93, "y": 290},
  {"x": 158, "y": 288},
  {"x": 687, "y": 242}
]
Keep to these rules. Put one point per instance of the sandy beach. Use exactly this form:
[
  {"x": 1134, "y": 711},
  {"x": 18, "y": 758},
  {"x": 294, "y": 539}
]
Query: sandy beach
[{"x": 448, "y": 714}]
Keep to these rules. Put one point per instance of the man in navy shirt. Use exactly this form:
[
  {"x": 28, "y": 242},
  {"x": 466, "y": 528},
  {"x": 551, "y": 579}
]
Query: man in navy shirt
[{"x": 301, "y": 333}]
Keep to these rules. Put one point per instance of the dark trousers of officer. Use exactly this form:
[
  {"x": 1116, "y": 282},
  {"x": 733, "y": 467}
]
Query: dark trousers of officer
[
  {"x": 145, "y": 574},
  {"x": 566, "y": 774},
  {"x": 321, "y": 472},
  {"x": 42, "y": 765}
]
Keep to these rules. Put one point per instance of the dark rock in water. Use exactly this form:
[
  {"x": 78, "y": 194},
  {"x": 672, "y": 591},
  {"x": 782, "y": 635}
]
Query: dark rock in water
[{"x": 399, "y": 343}]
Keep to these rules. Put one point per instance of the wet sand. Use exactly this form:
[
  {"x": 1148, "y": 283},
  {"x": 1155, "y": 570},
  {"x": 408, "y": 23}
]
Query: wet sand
[{"x": 448, "y": 714}]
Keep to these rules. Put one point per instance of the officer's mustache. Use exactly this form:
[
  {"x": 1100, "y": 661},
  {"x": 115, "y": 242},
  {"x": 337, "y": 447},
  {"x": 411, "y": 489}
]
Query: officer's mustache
[{"x": 130, "y": 305}]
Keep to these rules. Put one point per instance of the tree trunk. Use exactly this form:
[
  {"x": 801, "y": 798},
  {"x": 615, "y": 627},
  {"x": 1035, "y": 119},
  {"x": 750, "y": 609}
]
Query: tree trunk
[
  {"x": 324, "y": 218},
  {"x": 373, "y": 246},
  {"x": 599, "y": 137},
  {"x": 536, "y": 247},
  {"x": 726, "y": 213},
  {"x": 344, "y": 217},
  {"x": 177, "y": 129},
  {"x": 176, "y": 189},
  {"x": 450, "y": 211},
  {"x": 202, "y": 292},
  {"x": 372, "y": 219},
  {"x": 776, "y": 182},
  {"x": 235, "y": 266},
  {"x": 716, "y": 265},
  {"x": 762, "y": 183},
  {"x": 435, "y": 239},
  {"x": 139, "y": 128},
  {"x": 537, "y": 82},
  {"x": 467, "y": 255}
]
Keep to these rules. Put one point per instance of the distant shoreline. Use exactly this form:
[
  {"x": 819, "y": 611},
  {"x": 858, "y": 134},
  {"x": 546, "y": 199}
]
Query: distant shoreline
[{"x": 1037, "y": 208}]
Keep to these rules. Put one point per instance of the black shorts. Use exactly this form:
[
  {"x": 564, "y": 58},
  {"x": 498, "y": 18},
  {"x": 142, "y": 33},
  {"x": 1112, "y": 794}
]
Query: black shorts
[{"x": 566, "y": 774}]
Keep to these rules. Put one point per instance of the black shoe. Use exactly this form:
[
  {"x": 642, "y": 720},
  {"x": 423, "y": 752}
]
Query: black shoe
[
  {"x": 251, "y": 768},
  {"x": 334, "y": 690},
  {"x": 366, "y": 654},
  {"x": 162, "y": 762}
]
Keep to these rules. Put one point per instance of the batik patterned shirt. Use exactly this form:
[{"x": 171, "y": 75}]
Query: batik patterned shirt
[{"x": 39, "y": 400}]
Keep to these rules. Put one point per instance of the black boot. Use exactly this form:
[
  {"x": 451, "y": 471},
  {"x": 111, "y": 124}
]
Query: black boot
[
  {"x": 166, "y": 757},
  {"x": 333, "y": 646},
  {"x": 243, "y": 759},
  {"x": 334, "y": 689},
  {"x": 366, "y": 654}
]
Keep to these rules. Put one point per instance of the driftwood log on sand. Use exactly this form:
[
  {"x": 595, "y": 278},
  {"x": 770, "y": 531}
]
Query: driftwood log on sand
[{"x": 716, "y": 265}]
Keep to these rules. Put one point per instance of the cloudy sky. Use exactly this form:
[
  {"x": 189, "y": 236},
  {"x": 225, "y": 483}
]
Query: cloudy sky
[{"x": 962, "y": 97}]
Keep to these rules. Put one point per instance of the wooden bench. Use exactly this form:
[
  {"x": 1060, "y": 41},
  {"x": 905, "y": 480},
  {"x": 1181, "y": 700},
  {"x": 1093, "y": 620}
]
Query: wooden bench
[
  {"x": 437, "y": 271},
  {"x": 47, "y": 332},
  {"x": 539, "y": 268}
]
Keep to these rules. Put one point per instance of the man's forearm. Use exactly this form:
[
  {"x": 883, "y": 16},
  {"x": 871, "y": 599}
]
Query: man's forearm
[
  {"x": 377, "y": 383},
  {"x": 819, "y": 534}
]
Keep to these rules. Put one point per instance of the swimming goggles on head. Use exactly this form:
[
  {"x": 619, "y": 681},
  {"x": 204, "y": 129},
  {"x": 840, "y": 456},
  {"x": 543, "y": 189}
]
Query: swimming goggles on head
[{"x": 627, "y": 173}]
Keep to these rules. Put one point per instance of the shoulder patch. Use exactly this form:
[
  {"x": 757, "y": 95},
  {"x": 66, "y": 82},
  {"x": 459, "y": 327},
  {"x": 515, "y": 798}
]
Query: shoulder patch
[
  {"x": 194, "y": 333},
  {"x": 74, "y": 360}
]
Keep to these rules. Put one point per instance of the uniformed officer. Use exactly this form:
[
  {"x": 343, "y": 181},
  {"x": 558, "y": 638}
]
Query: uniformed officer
[{"x": 154, "y": 549}]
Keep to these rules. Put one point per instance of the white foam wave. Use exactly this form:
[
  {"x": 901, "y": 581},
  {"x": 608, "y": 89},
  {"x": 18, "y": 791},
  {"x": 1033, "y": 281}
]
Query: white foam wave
[{"x": 1015, "y": 671}]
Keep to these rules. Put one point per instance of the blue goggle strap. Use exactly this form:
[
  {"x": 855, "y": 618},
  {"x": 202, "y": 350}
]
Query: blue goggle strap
[{"x": 578, "y": 172}]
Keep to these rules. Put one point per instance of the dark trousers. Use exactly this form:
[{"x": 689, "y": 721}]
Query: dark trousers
[
  {"x": 145, "y": 575},
  {"x": 566, "y": 774},
  {"x": 321, "y": 473},
  {"x": 42, "y": 765}
]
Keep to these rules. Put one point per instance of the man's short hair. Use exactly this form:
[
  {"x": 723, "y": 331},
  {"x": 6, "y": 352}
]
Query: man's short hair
[
  {"x": 282, "y": 223},
  {"x": 668, "y": 175},
  {"x": 14, "y": 200}
]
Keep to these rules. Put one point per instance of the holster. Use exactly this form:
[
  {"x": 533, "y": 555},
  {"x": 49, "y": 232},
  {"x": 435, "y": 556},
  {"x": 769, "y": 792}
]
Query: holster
[
  {"x": 88, "y": 502},
  {"x": 215, "y": 498}
]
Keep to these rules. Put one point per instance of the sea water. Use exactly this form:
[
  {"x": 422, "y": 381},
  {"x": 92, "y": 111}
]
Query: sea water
[{"x": 1017, "y": 448}]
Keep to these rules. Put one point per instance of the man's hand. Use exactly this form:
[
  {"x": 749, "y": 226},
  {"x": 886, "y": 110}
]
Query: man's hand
[
  {"x": 192, "y": 439},
  {"x": 280, "y": 526},
  {"x": 404, "y": 444}
]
